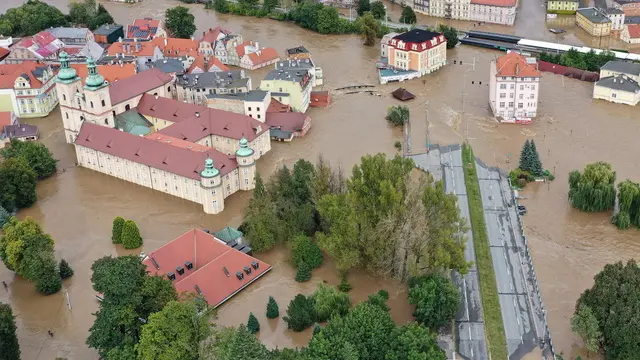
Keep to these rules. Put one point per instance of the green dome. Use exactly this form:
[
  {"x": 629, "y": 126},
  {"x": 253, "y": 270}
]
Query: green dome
[
  {"x": 94, "y": 79},
  {"x": 244, "y": 150},
  {"x": 66, "y": 72},
  {"x": 209, "y": 171}
]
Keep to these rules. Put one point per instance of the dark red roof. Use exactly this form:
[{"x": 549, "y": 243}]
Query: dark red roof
[
  {"x": 152, "y": 153},
  {"x": 194, "y": 122},
  {"x": 137, "y": 84},
  {"x": 209, "y": 256},
  {"x": 287, "y": 121},
  {"x": 4, "y": 53}
]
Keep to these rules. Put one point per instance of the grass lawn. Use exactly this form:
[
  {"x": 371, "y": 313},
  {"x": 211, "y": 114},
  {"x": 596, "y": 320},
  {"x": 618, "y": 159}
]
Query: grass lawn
[{"x": 493, "y": 324}]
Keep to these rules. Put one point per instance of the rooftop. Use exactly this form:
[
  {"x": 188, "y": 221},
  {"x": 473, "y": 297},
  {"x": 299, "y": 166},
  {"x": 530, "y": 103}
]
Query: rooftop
[
  {"x": 107, "y": 29},
  {"x": 132, "y": 122},
  {"x": 175, "y": 47},
  {"x": 202, "y": 64},
  {"x": 297, "y": 50},
  {"x": 263, "y": 55},
  {"x": 295, "y": 64},
  {"x": 136, "y": 48},
  {"x": 251, "y": 95},
  {"x": 69, "y": 32},
  {"x": 619, "y": 82},
  {"x": 416, "y": 36},
  {"x": 632, "y": 19},
  {"x": 229, "y": 234},
  {"x": 18, "y": 130},
  {"x": 214, "y": 266},
  {"x": 614, "y": 11},
  {"x": 514, "y": 64},
  {"x": 169, "y": 66},
  {"x": 111, "y": 73},
  {"x": 30, "y": 69},
  {"x": 300, "y": 76},
  {"x": 502, "y": 3},
  {"x": 286, "y": 121},
  {"x": 593, "y": 15},
  {"x": 622, "y": 67},
  {"x": 633, "y": 29},
  {"x": 214, "y": 34},
  {"x": 158, "y": 155},
  {"x": 217, "y": 79},
  {"x": 143, "y": 28},
  {"x": 137, "y": 84}
]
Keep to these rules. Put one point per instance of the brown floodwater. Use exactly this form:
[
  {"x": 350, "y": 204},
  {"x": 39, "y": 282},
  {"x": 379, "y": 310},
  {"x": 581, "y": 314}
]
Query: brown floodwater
[{"x": 76, "y": 206}]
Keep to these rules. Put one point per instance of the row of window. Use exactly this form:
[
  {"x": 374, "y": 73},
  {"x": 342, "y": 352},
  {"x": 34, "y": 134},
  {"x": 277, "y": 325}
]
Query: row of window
[
  {"x": 513, "y": 86},
  {"x": 520, "y": 105},
  {"x": 520, "y": 96}
]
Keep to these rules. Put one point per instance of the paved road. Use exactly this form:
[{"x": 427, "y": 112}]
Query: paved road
[
  {"x": 391, "y": 25},
  {"x": 446, "y": 163},
  {"x": 524, "y": 320}
]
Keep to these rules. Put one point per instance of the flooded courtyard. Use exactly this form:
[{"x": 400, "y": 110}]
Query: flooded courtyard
[{"x": 76, "y": 206}]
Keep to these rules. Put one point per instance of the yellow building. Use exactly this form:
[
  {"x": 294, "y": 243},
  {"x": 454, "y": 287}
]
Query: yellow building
[
  {"x": 290, "y": 87},
  {"x": 593, "y": 21},
  {"x": 562, "y": 6}
]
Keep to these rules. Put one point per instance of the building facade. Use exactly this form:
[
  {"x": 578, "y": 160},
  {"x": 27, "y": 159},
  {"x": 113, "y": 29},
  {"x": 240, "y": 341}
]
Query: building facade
[
  {"x": 620, "y": 89},
  {"x": 631, "y": 34},
  {"x": 290, "y": 87},
  {"x": 305, "y": 64},
  {"x": 492, "y": 11},
  {"x": 593, "y": 21},
  {"x": 617, "y": 18},
  {"x": 418, "y": 50},
  {"x": 568, "y": 7},
  {"x": 108, "y": 33},
  {"x": 193, "y": 88},
  {"x": 27, "y": 89},
  {"x": 144, "y": 52},
  {"x": 514, "y": 83}
]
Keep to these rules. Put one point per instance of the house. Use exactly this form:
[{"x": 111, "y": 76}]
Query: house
[
  {"x": 615, "y": 67},
  {"x": 229, "y": 235},
  {"x": 145, "y": 29},
  {"x": 39, "y": 47},
  {"x": 630, "y": 7},
  {"x": 593, "y": 21},
  {"x": 18, "y": 131},
  {"x": 631, "y": 34},
  {"x": 27, "y": 89},
  {"x": 297, "y": 53},
  {"x": 617, "y": 18},
  {"x": 207, "y": 63},
  {"x": 185, "y": 50},
  {"x": 145, "y": 52},
  {"x": 514, "y": 83},
  {"x": 291, "y": 87},
  {"x": 259, "y": 59},
  {"x": 253, "y": 103},
  {"x": 193, "y": 88},
  {"x": 303, "y": 65},
  {"x": 284, "y": 126},
  {"x": 619, "y": 89},
  {"x": 173, "y": 67},
  {"x": 568, "y": 7},
  {"x": 108, "y": 33},
  {"x": 210, "y": 38},
  {"x": 72, "y": 36},
  {"x": 457, "y": 9},
  {"x": 491, "y": 11},
  {"x": 413, "y": 54},
  {"x": 200, "y": 263}
]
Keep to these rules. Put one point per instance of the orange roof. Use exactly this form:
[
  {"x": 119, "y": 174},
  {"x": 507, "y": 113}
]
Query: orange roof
[
  {"x": 514, "y": 64},
  {"x": 505, "y": 3},
  {"x": 129, "y": 48},
  {"x": 10, "y": 72},
  {"x": 240, "y": 49},
  {"x": 175, "y": 47},
  {"x": 263, "y": 55},
  {"x": 111, "y": 73},
  {"x": 183, "y": 144},
  {"x": 5, "y": 118},
  {"x": 4, "y": 53},
  {"x": 634, "y": 31},
  {"x": 205, "y": 64},
  {"x": 212, "y": 34},
  {"x": 210, "y": 257},
  {"x": 277, "y": 106}
]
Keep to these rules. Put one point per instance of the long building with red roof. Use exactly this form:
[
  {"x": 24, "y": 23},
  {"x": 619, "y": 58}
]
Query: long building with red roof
[{"x": 200, "y": 263}]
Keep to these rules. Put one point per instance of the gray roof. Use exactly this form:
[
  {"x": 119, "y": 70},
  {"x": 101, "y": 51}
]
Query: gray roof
[
  {"x": 297, "y": 75},
  {"x": 593, "y": 15},
  {"x": 612, "y": 11},
  {"x": 110, "y": 59},
  {"x": 218, "y": 79},
  {"x": 280, "y": 134},
  {"x": 619, "y": 82},
  {"x": 279, "y": 94},
  {"x": 107, "y": 29},
  {"x": 92, "y": 49},
  {"x": 632, "y": 19},
  {"x": 69, "y": 33},
  {"x": 622, "y": 67},
  {"x": 295, "y": 64},
  {"x": 169, "y": 66},
  {"x": 251, "y": 95},
  {"x": 20, "y": 130},
  {"x": 297, "y": 50}
]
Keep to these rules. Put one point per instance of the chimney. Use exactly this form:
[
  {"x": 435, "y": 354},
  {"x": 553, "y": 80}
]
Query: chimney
[
  {"x": 156, "y": 97},
  {"x": 138, "y": 46},
  {"x": 166, "y": 42}
]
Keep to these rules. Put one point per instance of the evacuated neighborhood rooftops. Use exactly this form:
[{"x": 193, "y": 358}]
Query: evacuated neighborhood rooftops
[
  {"x": 70, "y": 33},
  {"x": 143, "y": 28},
  {"x": 622, "y": 67},
  {"x": 169, "y": 66}
]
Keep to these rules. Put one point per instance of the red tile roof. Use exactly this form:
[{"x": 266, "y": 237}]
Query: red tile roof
[
  {"x": 288, "y": 121},
  {"x": 175, "y": 47},
  {"x": 505, "y": 3},
  {"x": 4, "y": 53},
  {"x": 6, "y": 118},
  {"x": 194, "y": 122},
  {"x": 152, "y": 153},
  {"x": 212, "y": 34},
  {"x": 206, "y": 64},
  {"x": 111, "y": 73},
  {"x": 263, "y": 55},
  {"x": 514, "y": 64},
  {"x": 137, "y": 84},
  {"x": 183, "y": 144},
  {"x": 44, "y": 38},
  {"x": 209, "y": 257},
  {"x": 143, "y": 28},
  {"x": 240, "y": 49},
  {"x": 130, "y": 48},
  {"x": 634, "y": 31},
  {"x": 10, "y": 72},
  {"x": 277, "y": 106}
]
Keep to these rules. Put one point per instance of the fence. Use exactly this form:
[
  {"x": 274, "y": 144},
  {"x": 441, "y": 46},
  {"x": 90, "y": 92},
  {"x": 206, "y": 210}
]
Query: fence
[{"x": 568, "y": 71}]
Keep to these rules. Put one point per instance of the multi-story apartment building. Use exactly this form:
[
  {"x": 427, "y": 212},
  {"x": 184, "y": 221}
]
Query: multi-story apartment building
[
  {"x": 145, "y": 52},
  {"x": 514, "y": 83},
  {"x": 492, "y": 11},
  {"x": 384, "y": 44},
  {"x": 418, "y": 50},
  {"x": 27, "y": 89},
  {"x": 568, "y": 7},
  {"x": 617, "y": 18},
  {"x": 593, "y": 21},
  {"x": 73, "y": 36},
  {"x": 630, "y": 7},
  {"x": 210, "y": 39},
  {"x": 449, "y": 9},
  {"x": 193, "y": 88},
  {"x": 618, "y": 88},
  {"x": 290, "y": 87},
  {"x": 304, "y": 64}
]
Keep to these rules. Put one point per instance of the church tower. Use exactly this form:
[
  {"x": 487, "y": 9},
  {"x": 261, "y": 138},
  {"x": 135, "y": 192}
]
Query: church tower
[
  {"x": 211, "y": 183},
  {"x": 68, "y": 88},
  {"x": 97, "y": 101},
  {"x": 245, "y": 156}
]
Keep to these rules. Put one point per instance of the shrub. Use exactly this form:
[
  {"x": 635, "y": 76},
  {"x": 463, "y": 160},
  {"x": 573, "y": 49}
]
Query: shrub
[
  {"x": 48, "y": 280},
  {"x": 316, "y": 329},
  {"x": 272, "y": 308},
  {"x": 306, "y": 250},
  {"x": 65, "y": 270},
  {"x": 398, "y": 115},
  {"x": 303, "y": 274},
  {"x": 131, "y": 238},
  {"x": 328, "y": 302},
  {"x": 253, "y": 325},
  {"x": 380, "y": 299},
  {"x": 344, "y": 285},
  {"x": 300, "y": 313},
  {"x": 398, "y": 145},
  {"x": 116, "y": 230},
  {"x": 436, "y": 300}
]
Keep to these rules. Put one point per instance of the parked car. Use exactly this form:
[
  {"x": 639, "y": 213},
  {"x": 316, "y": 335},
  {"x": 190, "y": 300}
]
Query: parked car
[{"x": 522, "y": 208}]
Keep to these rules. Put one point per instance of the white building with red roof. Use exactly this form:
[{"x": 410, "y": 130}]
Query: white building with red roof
[
  {"x": 28, "y": 89},
  {"x": 514, "y": 83},
  {"x": 631, "y": 34}
]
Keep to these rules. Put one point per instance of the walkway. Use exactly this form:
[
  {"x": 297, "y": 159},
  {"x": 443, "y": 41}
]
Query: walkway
[
  {"x": 390, "y": 25},
  {"x": 445, "y": 163}
]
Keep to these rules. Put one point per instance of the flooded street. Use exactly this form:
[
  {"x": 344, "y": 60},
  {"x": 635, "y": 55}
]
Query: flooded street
[{"x": 77, "y": 206}]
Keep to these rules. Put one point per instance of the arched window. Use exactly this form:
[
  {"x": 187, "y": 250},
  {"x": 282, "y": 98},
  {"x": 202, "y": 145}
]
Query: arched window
[
  {"x": 67, "y": 114},
  {"x": 64, "y": 97},
  {"x": 103, "y": 103},
  {"x": 106, "y": 121},
  {"x": 91, "y": 104},
  {"x": 81, "y": 118},
  {"x": 127, "y": 107}
]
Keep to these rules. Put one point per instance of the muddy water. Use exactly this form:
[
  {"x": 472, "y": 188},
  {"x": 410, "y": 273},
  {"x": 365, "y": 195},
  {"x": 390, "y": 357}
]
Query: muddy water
[{"x": 77, "y": 205}]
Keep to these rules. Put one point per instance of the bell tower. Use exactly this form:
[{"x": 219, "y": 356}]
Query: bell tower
[
  {"x": 68, "y": 88},
  {"x": 245, "y": 156},
  {"x": 211, "y": 183},
  {"x": 97, "y": 100}
]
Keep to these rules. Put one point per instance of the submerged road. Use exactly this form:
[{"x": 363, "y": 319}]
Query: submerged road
[{"x": 445, "y": 163}]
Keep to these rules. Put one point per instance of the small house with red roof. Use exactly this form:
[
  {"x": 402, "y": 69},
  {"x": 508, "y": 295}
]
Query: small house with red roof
[
  {"x": 145, "y": 52},
  {"x": 631, "y": 34},
  {"x": 27, "y": 89},
  {"x": 145, "y": 29},
  {"x": 198, "y": 262},
  {"x": 39, "y": 47},
  {"x": 210, "y": 38},
  {"x": 260, "y": 58},
  {"x": 204, "y": 64}
]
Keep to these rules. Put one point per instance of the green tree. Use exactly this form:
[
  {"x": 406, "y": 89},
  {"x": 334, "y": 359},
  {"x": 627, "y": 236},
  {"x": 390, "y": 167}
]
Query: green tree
[
  {"x": 451, "y": 34},
  {"x": 378, "y": 10},
  {"x": 398, "y": 115},
  {"x": 536, "y": 164},
  {"x": 180, "y": 22},
  {"x": 48, "y": 279},
  {"x": 316, "y": 329},
  {"x": 628, "y": 205},
  {"x": 261, "y": 222},
  {"x": 235, "y": 344},
  {"x": 379, "y": 299},
  {"x": 342, "y": 229},
  {"x": 116, "y": 230},
  {"x": 614, "y": 302},
  {"x": 221, "y": 6},
  {"x": 305, "y": 250},
  {"x": 329, "y": 302},
  {"x": 328, "y": 20},
  {"x": 38, "y": 156},
  {"x": 130, "y": 237},
  {"x": 369, "y": 28},
  {"x": 303, "y": 273},
  {"x": 436, "y": 300},
  {"x": 4, "y": 216},
  {"x": 174, "y": 333},
  {"x": 585, "y": 324},
  {"x": 24, "y": 247},
  {"x": 526, "y": 157},
  {"x": 17, "y": 184},
  {"x": 363, "y": 7},
  {"x": 248, "y": 3},
  {"x": 252, "y": 324},
  {"x": 408, "y": 16},
  {"x": 594, "y": 189},
  {"x": 126, "y": 351},
  {"x": 89, "y": 14},
  {"x": 65, "y": 269},
  {"x": 300, "y": 313},
  {"x": 272, "y": 308},
  {"x": 269, "y": 5},
  {"x": 413, "y": 341},
  {"x": 9, "y": 346},
  {"x": 30, "y": 18}
]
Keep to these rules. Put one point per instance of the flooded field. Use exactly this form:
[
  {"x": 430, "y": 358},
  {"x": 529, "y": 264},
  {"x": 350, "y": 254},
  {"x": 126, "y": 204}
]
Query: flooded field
[{"x": 77, "y": 206}]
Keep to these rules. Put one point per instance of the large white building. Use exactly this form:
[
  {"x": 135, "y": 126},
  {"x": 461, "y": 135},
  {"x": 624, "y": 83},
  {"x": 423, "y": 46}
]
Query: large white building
[
  {"x": 619, "y": 83},
  {"x": 514, "y": 83},
  {"x": 491, "y": 11},
  {"x": 198, "y": 154}
]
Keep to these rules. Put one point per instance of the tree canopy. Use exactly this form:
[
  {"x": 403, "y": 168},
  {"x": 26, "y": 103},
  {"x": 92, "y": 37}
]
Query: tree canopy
[
  {"x": 9, "y": 346},
  {"x": 369, "y": 28},
  {"x": 329, "y": 302},
  {"x": 363, "y": 6},
  {"x": 37, "y": 156},
  {"x": 408, "y": 15},
  {"x": 272, "y": 308},
  {"x": 585, "y": 61},
  {"x": 17, "y": 184},
  {"x": 450, "y": 33},
  {"x": 305, "y": 250},
  {"x": 436, "y": 300},
  {"x": 614, "y": 301},
  {"x": 530, "y": 159},
  {"x": 88, "y": 13},
  {"x": 300, "y": 313},
  {"x": 415, "y": 342},
  {"x": 378, "y": 10},
  {"x": 180, "y": 22},
  {"x": 628, "y": 205},
  {"x": 398, "y": 115},
  {"x": 30, "y": 18},
  {"x": 594, "y": 189},
  {"x": 130, "y": 236},
  {"x": 231, "y": 343}
]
